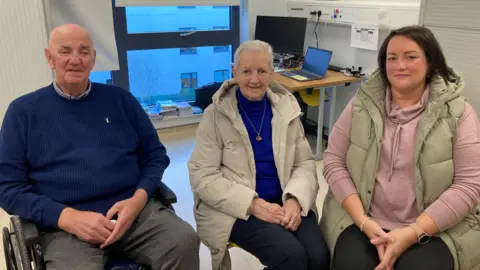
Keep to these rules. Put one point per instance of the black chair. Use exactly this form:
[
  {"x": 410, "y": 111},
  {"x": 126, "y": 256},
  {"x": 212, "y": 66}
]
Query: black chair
[
  {"x": 204, "y": 94},
  {"x": 21, "y": 243}
]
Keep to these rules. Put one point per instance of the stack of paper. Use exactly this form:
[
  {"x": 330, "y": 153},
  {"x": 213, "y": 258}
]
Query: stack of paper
[
  {"x": 166, "y": 105},
  {"x": 197, "y": 110},
  {"x": 154, "y": 113},
  {"x": 167, "y": 109},
  {"x": 184, "y": 108}
]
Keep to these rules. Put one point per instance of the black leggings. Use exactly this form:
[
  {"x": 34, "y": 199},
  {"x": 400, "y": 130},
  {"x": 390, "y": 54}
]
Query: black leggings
[
  {"x": 354, "y": 251},
  {"x": 280, "y": 249}
]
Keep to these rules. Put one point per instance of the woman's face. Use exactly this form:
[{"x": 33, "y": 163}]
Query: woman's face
[
  {"x": 406, "y": 65},
  {"x": 253, "y": 74}
]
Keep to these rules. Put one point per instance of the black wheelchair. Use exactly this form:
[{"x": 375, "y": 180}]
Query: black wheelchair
[{"x": 21, "y": 242}]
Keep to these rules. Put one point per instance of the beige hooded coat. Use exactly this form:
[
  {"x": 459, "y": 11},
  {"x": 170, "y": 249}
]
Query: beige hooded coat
[{"x": 222, "y": 166}]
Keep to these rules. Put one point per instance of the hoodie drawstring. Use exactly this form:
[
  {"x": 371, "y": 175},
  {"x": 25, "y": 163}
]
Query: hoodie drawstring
[{"x": 395, "y": 150}]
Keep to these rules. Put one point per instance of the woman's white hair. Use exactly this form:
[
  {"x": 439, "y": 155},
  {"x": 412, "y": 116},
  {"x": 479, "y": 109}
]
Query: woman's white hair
[{"x": 254, "y": 46}]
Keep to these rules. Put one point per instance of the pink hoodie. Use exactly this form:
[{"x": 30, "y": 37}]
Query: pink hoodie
[{"x": 393, "y": 202}]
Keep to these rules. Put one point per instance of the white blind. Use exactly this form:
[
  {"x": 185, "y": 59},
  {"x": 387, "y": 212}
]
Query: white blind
[
  {"x": 97, "y": 17},
  {"x": 23, "y": 67},
  {"x": 453, "y": 14},
  {"x": 125, "y": 3},
  {"x": 456, "y": 25}
]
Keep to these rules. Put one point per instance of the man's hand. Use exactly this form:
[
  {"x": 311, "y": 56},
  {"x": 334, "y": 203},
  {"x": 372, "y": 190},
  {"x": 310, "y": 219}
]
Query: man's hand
[
  {"x": 127, "y": 211},
  {"x": 87, "y": 226},
  {"x": 269, "y": 212},
  {"x": 292, "y": 218},
  {"x": 400, "y": 240}
]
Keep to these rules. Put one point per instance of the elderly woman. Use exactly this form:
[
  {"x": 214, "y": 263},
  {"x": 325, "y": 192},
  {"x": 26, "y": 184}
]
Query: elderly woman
[
  {"x": 403, "y": 165},
  {"x": 252, "y": 171}
]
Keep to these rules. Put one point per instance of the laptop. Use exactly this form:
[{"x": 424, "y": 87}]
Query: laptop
[{"x": 314, "y": 67}]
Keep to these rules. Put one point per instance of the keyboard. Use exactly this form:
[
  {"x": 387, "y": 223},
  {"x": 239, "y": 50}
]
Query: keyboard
[
  {"x": 335, "y": 68},
  {"x": 304, "y": 74}
]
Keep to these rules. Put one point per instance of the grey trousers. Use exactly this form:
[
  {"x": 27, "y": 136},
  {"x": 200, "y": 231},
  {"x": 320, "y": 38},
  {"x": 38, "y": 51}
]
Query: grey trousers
[{"x": 157, "y": 238}]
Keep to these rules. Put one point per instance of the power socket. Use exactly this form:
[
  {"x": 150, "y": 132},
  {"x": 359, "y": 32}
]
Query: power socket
[{"x": 314, "y": 12}]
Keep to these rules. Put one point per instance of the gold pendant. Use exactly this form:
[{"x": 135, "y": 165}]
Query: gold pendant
[{"x": 259, "y": 138}]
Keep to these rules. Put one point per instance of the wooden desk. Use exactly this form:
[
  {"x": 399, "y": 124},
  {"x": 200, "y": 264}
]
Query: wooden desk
[{"x": 332, "y": 79}]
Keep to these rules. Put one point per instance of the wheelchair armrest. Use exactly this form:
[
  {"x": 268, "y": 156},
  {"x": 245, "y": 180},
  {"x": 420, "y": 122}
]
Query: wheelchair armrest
[
  {"x": 165, "y": 194},
  {"x": 31, "y": 235}
]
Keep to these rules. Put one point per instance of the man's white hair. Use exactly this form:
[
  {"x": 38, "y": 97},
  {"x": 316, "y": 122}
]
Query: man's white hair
[{"x": 254, "y": 46}]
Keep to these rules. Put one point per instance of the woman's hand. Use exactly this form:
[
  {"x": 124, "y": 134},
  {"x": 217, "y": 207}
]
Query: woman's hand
[
  {"x": 269, "y": 212},
  {"x": 373, "y": 231},
  {"x": 400, "y": 240},
  {"x": 292, "y": 218}
]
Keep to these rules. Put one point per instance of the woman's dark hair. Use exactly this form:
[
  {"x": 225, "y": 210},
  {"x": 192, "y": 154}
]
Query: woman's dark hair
[{"x": 429, "y": 44}]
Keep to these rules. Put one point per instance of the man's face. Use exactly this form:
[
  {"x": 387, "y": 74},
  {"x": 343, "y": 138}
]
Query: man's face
[{"x": 72, "y": 56}]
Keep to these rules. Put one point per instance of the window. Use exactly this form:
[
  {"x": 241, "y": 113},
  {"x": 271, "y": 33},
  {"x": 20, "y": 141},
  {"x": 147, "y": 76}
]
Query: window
[
  {"x": 152, "y": 77},
  {"x": 171, "y": 19},
  {"x": 166, "y": 52},
  {"x": 221, "y": 75},
  {"x": 186, "y": 29},
  {"x": 101, "y": 77},
  {"x": 187, "y": 80},
  {"x": 220, "y": 49},
  {"x": 185, "y": 51}
]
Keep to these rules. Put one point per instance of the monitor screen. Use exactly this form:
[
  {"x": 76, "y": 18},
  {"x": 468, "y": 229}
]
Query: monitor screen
[
  {"x": 317, "y": 60},
  {"x": 285, "y": 34}
]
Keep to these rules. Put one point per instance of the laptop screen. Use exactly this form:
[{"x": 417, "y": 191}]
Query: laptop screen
[{"x": 317, "y": 61}]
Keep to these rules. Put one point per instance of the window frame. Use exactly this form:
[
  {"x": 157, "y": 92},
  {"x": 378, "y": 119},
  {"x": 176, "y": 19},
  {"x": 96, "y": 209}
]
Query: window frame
[
  {"x": 225, "y": 75},
  {"x": 151, "y": 41},
  {"x": 192, "y": 79}
]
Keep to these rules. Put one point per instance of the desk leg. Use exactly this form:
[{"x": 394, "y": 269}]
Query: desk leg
[
  {"x": 333, "y": 102},
  {"x": 321, "y": 107}
]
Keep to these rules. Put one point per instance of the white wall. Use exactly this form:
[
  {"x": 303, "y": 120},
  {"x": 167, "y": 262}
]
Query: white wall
[
  {"x": 390, "y": 1},
  {"x": 23, "y": 67},
  {"x": 97, "y": 17},
  {"x": 250, "y": 9},
  {"x": 336, "y": 38}
]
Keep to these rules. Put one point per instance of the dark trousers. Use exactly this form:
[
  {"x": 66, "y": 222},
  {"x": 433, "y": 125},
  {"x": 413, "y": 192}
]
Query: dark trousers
[
  {"x": 279, "y": 249},
  {"x": 158, "y": 238},
  {"x": 354, "y": 251}
]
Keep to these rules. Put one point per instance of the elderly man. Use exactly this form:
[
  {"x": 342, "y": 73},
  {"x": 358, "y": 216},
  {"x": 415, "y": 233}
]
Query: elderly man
[{"x": 75, "y": 154}]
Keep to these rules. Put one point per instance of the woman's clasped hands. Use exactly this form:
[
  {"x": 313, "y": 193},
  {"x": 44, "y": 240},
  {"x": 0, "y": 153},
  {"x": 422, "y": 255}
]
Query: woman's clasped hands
[
  {"x": 391, "y": 245},
  {"x": 288, "y": 216}
]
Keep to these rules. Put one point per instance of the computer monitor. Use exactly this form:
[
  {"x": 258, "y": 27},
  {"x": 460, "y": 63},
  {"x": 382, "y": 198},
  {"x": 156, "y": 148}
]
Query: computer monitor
[
  {"x": 285, "y": 34},
  {"x": 317, "y": 60}
]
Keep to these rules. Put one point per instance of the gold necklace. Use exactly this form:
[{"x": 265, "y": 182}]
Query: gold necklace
[{"x": 258, "y": 138}]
